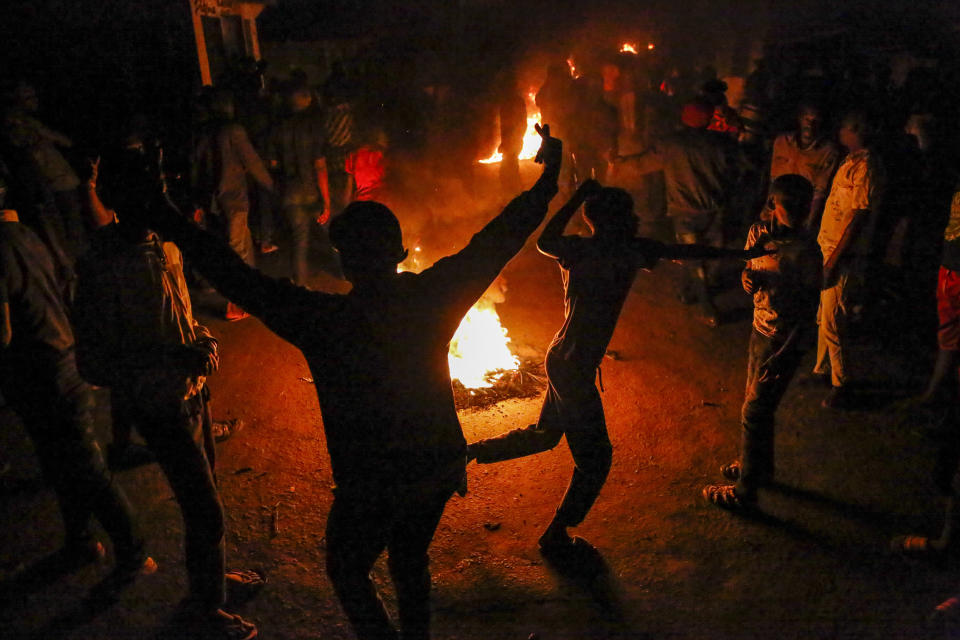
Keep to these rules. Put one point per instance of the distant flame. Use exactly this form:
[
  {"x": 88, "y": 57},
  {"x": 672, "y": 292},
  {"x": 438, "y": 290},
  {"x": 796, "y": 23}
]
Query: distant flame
[
  {"x": 650, "y": 46},
  {"x": 531, "y": 139},
  {"x": 479, "y": 348},
  {"x": 628, "y": 47},
  {"x": 573, "y": 68},
  {"x": 479, "y": 351}
]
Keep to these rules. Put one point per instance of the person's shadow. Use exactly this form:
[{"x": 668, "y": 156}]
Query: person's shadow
[{"x": 582, "y": 565}]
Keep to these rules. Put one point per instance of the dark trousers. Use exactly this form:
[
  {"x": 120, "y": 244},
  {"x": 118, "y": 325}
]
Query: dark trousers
[
  {"x": 770, "y": 367},
  {"x": 573, "y": 408},
  {"x": 71, "y": 212},
  {"x": 55, "y": 406},
  {"x": 401, "y": 518},
  {"x": 181, "y": 439},
  {"x": 698, "y": 228}
]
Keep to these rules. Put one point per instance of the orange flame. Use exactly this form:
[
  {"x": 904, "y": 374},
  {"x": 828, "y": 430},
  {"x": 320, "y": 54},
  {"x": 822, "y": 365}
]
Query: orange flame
[
  {"x": 479, "y": 351},
  {"x": 628, "y": 47},
  {"x": 531, "y": 139}
]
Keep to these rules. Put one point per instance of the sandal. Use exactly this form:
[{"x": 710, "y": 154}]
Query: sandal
[
  {"x": 124, "y": 574},
  {"x": 947, "y": 612},
  {"x": 243, "y": 585},
  {"x": 725, "y": 496},
  {"x": 731, "y": 471},
  {"x": 915, "y": 546}
]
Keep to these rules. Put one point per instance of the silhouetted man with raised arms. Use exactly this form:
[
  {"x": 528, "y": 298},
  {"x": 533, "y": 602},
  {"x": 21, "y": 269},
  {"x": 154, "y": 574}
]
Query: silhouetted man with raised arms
[{"x": 379, "y": 358}]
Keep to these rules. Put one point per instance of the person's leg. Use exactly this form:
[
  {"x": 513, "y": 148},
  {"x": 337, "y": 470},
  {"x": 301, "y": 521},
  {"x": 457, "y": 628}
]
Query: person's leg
[
  {"x": 770, "y": 380},
  {"x": 58, "y": 416},
  {"x": 829, "y": 347},
  {"x": 695, "y": 289},
  {"x": 71, "y": 212},
  {"x": 177, "y": 442},
  {"x": 592, "y": 454},
  {"x": 420, "y": 509},
  {"x": 526, "y": 441},
  {"x": 357, "y": 532},
  {"x": 298, "y": 219},
  {"x": 238, "y": 235}
]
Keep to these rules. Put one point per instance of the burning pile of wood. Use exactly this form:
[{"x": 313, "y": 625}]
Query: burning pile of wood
[{"x": 528, "y": 380}]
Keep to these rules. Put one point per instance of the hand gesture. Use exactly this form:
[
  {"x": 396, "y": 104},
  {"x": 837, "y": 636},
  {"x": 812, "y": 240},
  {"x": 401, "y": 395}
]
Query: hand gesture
[
  {"x": 324, "y": 217},
  {"x": 551, "y": 149},
  {"x": 94, "y": 172},
  {"x": 589, "y": 188},
  {"x": 750, "y": 284}
]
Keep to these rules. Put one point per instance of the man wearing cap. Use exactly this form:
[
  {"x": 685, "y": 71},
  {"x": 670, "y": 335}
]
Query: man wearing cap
[
  {"x": 700, "y": 169},
  {"x": 378, "y": 356}
]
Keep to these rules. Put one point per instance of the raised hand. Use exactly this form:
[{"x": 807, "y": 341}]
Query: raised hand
[
  {"x": 551, "y": 149},
  {"x": 589, "y": 188}
]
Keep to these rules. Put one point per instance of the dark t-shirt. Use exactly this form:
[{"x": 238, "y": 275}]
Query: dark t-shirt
[
  {"x": 295, "y": 145},
  {"x": 38, "y": 317},
  {"x": 596, "y": 280},
  {"x": 379, "y": 356}
]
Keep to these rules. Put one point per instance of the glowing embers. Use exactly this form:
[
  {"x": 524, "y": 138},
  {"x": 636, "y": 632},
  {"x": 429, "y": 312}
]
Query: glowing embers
[
  {"x": 634, "y": 47},
  {"x": 479, "y": 352},
  {"x": 531, "y": 139}
]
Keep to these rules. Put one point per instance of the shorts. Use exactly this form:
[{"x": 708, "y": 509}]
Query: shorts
[{"x": 948, "y": 309}]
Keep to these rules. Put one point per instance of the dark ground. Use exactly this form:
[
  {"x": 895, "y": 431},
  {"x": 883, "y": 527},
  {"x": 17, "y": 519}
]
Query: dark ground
[{"x": 814, "y": 565}]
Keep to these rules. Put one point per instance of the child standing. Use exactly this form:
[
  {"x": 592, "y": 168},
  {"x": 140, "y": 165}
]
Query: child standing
[{"x": 785, "y": 288}]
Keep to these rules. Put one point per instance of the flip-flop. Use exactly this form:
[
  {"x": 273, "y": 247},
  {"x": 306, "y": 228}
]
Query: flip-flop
[
  {"x": 244, "y": 584},
  {"x": 914, "y": 546},
  {"x": 725, "y": 496}
]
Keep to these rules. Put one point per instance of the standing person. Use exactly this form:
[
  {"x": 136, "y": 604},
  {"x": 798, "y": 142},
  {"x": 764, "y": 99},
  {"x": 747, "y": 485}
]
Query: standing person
[
  {"x": 40, "y": 382},
  {"x": 597, "y": 273},
  {"x": 137, "y": 336},
  {"x": 367, "y": 168},
  {"x": 700, "y": 168},
  {"x": 785, "y": 289},
  {"x": 595, "y": 137},
  {"x": 943, "y": 394},
  {"x": 296, "y": 155},
  {"x": 512, "y": 113},
  {"x": 338, "y": 126},
  {"x": 844, "y": 238},
  {"x": 379, "y": 358},
  {"x": 23, "y": 130},
  {"x": 222, "y": 159},
  {"x": 807, "y": 152}
]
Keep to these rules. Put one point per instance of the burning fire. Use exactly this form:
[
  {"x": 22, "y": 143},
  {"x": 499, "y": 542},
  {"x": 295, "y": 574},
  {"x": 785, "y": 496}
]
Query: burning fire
[
  {"x": 479, "y": 351},
  {"x": 531, "y": 139},
  {"x": 628, "y": 47}
]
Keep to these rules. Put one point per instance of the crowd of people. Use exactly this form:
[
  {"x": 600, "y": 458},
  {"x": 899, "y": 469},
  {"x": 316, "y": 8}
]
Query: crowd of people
[{"x": 96, "y": 262}]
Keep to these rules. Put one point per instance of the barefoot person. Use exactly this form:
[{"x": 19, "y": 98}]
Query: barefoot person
[
  {"x": 597, "y": 273},
  {"x": 784, "y": 287}
]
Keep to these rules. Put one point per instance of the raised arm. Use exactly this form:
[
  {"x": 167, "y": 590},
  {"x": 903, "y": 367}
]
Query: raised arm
[
  {"x": 464, "y": 276},
  {"x": 552, "y": 234}
]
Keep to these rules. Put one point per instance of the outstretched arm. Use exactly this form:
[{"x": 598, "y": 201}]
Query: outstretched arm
[
  {"x": 550, "y": 237},
  {"x": 705, "y": 252}
]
